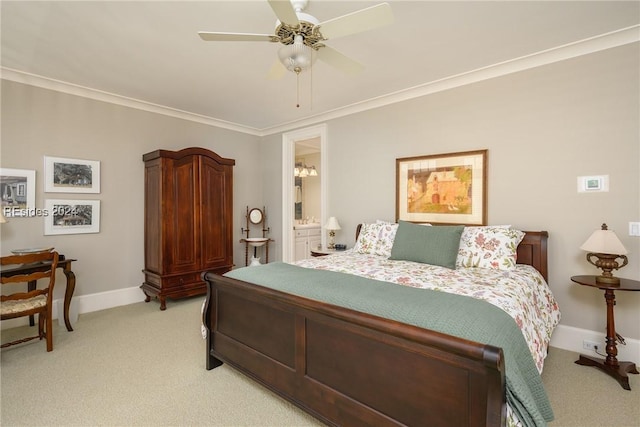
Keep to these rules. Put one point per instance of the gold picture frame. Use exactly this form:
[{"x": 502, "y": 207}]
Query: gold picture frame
[{"x": 443, "y": 188}]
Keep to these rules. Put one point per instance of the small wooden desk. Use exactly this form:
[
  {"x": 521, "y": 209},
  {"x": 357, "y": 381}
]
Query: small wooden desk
[
  {"x": 610, "y": 365},
  {"x": 65, "y": 265}
]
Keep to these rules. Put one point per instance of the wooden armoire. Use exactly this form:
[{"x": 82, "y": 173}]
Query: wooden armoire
[{"x": 188, "y": 221}]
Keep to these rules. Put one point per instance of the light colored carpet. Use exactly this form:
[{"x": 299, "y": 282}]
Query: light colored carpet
[
  {"x": 135, "y": 366},
  {"x": 583, "y": 396}
]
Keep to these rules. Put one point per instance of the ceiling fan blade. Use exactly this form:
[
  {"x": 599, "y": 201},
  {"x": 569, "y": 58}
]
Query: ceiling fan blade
[
  {"x": 277, "y": 71},
  {"x": 340, "y": 61},
  {"x": 236, "y": 37},
  {"x": 357, "y": 22},
  {"x": 285, "y": 12}
]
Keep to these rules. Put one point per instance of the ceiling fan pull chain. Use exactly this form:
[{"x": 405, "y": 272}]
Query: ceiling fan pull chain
[
  {"x": 297, "y": 89},
  {"x": 311, "y": 86}
]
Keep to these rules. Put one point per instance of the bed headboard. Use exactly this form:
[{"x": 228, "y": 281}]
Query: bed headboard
[{"x": 532, "y": 250}]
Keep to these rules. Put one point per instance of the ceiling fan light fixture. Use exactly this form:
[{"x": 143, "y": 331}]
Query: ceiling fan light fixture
[{"x": 296, "y": 57}]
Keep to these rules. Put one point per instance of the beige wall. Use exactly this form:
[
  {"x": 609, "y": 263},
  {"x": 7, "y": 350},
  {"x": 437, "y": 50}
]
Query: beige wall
[
  {"x": 543, "y": 128},
  {"x": 38, "y": 123}
]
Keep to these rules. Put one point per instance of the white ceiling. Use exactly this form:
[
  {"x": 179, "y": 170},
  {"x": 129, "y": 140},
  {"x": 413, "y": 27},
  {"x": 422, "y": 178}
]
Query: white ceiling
[{"x": 149, "y": 54}]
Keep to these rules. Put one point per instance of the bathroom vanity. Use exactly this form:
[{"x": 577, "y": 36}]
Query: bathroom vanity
[{"x": 307, "y": 237}]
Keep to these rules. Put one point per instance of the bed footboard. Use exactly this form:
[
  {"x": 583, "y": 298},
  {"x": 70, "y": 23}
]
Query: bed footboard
[{"x": 349, "y": 368}]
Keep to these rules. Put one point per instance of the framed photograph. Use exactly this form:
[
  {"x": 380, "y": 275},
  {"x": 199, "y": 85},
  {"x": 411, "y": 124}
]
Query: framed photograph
[
  {"x": 71, "y": 175},
  {"x": 18, "y": 192},
  {"x": 443, "y": 188},
  {"x": 71, "y": 216}
]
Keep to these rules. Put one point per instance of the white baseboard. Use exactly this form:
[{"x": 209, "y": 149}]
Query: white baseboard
[
  {"x": 570, "y": 338},
  {"x": 564, "y": 337},
  {"x": 96, "y": 302}
]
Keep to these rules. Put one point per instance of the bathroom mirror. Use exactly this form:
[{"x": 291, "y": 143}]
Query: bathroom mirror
[
  {"x": 297, "y": 204},
  {"x": 256, "y": 216}
]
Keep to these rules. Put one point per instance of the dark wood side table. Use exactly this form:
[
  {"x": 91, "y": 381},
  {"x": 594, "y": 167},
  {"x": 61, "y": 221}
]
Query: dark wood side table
[
  {"x": 65, "y": 265},
  {"x": 324, "y": 251},
  {"x": 610, "y": 364}
]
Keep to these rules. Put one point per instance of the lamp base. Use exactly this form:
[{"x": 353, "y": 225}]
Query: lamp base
[
  {"x": 608, "y": 280},
  {"x": 331, "y": 244},
  {"x": 607, "y": 263}
]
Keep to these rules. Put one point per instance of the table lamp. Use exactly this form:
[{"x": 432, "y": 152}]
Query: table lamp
[
  {"x": 605, "y": 246},
  {"x": 332, "y": 225}
]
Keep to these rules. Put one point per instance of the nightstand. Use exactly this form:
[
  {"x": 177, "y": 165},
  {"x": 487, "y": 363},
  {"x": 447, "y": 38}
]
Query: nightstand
[
  {"x": 610, "y": 365},
  {"x": 323, "y": 252}
]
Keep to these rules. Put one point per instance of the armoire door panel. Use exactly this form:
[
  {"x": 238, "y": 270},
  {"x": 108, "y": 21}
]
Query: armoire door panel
[
  {"x": 152, "y": 216},
  {"x": 184, "y": 219}
]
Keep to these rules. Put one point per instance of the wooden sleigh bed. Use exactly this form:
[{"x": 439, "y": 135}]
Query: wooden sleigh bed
[{"x": 350, "y": 368}]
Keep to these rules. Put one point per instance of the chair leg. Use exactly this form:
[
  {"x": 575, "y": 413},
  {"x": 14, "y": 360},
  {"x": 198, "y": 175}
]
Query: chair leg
[
  {"x": 41, "y": 333},
  {"x": 49, "y": 324}
]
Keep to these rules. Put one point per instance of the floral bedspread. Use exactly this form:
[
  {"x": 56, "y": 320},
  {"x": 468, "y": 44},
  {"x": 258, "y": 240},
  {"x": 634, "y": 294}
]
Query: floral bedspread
[{"x": 521, "y": 292}]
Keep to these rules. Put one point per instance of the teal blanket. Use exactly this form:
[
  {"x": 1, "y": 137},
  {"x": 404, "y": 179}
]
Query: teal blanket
[{"x": 443, "y": 312}]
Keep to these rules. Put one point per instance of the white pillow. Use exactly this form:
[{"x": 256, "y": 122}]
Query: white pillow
[
  {"x": 376, "y": 239},
  {"x": 489, "y": 247}
]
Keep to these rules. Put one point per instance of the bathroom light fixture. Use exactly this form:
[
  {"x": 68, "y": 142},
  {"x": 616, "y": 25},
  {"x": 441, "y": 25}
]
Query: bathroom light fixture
[
  {"x": 304, "y": 171},
  {"x": 604, "y": 245}
]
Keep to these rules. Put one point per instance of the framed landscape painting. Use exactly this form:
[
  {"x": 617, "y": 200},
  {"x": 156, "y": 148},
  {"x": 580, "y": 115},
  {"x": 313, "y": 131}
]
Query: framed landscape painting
[
  {"x": 443, "y": 188},
  {"x": 63, "y": 175},
  {"x": 17, "y": 192}
]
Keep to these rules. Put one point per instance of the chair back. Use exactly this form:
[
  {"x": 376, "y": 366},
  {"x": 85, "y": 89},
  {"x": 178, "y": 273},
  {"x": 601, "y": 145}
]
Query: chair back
[{"x": 37, "y": 299}]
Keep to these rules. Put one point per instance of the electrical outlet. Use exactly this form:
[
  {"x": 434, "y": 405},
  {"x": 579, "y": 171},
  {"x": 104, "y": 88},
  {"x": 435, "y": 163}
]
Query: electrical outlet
[{"x": 589, "y": 345}]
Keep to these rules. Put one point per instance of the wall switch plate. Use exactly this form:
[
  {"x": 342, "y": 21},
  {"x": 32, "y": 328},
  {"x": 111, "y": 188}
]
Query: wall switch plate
[{"x": 634, "y": 229}]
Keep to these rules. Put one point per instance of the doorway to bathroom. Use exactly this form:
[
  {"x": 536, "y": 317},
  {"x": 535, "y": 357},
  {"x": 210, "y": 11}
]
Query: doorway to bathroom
[{"x": 304, "y": 178}]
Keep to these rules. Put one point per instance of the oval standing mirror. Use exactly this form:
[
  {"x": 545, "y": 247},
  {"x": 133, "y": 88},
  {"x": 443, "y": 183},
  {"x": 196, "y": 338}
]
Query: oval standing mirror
[{"x": 255, "y": 216}]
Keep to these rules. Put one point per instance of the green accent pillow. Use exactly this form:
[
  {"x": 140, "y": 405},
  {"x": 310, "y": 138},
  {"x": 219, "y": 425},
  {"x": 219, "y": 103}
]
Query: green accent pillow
[{"x": 429, "y": 245}]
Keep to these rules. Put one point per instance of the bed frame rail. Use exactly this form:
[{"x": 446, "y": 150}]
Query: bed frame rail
[{"x": 349, "y": 368}]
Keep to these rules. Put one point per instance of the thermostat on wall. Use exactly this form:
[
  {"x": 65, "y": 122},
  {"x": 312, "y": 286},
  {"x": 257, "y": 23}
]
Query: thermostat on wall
[{"x": 592, "y": 184}]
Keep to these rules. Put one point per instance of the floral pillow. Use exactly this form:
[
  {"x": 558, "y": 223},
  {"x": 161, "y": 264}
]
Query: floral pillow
[
  {"x": 376, "y": 239},
  {"x": 489, "y": 247}
]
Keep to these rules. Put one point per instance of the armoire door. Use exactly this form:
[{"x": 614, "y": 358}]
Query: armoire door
[{"x": 216, "y": 188}]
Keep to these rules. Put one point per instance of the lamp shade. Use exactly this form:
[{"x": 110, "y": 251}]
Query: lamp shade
[
  {"x": 604, "y": 241},
  {"x": 332, "y": 224},
  {"x": 2, "y": 218}
]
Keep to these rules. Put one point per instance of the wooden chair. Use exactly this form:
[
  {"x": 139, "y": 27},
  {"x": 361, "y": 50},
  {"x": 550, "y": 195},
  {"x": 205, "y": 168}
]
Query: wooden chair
[{"x": 38, "y": 300}]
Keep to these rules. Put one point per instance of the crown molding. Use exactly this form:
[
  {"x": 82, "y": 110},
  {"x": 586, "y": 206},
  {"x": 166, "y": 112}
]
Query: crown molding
[
  {"x": 99, "y": 95},
  {"x": 560, "y": 53}
]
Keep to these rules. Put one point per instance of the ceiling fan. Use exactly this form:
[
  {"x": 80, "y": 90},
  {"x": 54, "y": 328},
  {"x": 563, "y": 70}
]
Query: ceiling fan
[{"x": 302, "y": 35}]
